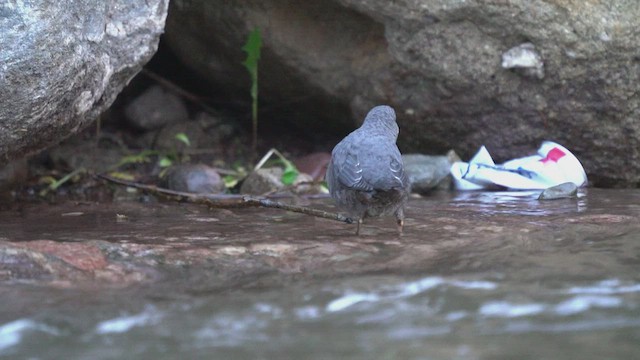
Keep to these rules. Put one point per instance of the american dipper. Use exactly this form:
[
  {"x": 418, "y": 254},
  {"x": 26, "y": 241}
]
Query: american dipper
[{"x": 365, "y": 175}]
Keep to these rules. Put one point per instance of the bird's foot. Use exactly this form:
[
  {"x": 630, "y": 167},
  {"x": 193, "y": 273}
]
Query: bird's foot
[{"x": 400, "y": 226}]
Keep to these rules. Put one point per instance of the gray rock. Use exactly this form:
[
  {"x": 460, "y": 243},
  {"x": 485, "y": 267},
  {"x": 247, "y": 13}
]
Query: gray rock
[
  {"x": 440, "y": 64},
  {"x": 155, "y": 108},
  {"x": 366, "y": 175},
  {"x": 562, "y": 191},
  {"x": 427, "y": 172},
  {"x": 76, "y": 153},
  {"x": 263, "y": 181},
  {"x": 194, "y": 178},
  {"x": 205, "y": 131},
  {"x": 63, "y": 62}
]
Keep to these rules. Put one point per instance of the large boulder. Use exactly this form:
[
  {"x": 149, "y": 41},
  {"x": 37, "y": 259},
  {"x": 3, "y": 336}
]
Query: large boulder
[
  {"x": 506, "y": 74},
  {"x": 63, "y": 62}
]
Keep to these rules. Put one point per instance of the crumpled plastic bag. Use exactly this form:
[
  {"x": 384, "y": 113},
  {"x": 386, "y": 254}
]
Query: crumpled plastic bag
[{"x": 552, "y": 165}]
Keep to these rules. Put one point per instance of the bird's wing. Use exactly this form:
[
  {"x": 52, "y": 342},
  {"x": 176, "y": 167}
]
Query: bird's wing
[
  {"x": 350, "y": 172},
  {"x": 397, "y": 172},
  {"x": 387, "y": 173}
]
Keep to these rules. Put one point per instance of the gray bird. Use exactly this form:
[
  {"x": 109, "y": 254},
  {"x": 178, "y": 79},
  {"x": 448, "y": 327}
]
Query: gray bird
[{"x": 366, "y": 176}]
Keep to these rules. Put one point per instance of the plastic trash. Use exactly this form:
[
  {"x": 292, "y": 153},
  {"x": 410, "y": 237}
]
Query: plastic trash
[{"x": 552, "y": 165}]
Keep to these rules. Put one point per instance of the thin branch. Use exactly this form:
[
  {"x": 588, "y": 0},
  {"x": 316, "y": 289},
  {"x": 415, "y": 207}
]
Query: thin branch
[{"x": 226, "y": 201}]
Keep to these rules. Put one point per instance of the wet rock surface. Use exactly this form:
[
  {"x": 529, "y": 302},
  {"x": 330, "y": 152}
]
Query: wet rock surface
[
  {"x": 562, "y": 191},
  {"x": 129, "y": 243},
  {"x": 427, "y": 172},
  {"x": 65, "y": 62},
  {"x": 506, "y": 75}
]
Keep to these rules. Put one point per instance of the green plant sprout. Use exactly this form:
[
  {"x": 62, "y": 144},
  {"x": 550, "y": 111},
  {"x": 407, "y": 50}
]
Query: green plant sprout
[
  {"x": 232, "y": 179},
  {"x": 175, "y": 156},
  {"x": 182, "y": 137},
  {"x": 139, "y": 158},
  {"x": 164, "y": 159},
  {"x": 54, "y": 183},
  {"x": 252, "y": 48}
]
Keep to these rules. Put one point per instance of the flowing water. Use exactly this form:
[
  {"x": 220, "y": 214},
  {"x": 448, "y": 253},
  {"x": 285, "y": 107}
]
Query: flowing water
[{"x": 519, "y": 279}]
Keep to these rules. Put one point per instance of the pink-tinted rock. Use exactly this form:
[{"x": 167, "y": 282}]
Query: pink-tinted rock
[
  {"x": 314, "y": 164},
  {"x": 83, "y": 256}
]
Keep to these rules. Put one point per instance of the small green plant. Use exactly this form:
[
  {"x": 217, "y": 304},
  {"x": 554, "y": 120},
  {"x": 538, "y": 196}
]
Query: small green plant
[
  {"x": 142, "y": 157},
  {"x": 164, "y": 158},
  {"x": 182, "y": 137},
  {"x": 232, "y": 179},
  {"x": 168, "y": 159},
  {"x": 252, "y": 48},
  {"x": 290, "y": 173},
  {"x": 54, "y": 184}
]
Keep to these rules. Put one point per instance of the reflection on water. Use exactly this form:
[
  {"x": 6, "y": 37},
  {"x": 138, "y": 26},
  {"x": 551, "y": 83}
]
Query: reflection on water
[
  {"x": 520, "y": 202},
  {"x": 513, "y": 291}
]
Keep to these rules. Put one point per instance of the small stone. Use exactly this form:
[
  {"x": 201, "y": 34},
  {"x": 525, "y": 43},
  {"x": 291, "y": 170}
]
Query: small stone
[
  {"x": 194, "y": 178},
  {"x": 204, "y": 132},
  {"x": 155, "y": 108},
  {"x": 525, "y": 57},
  {"x": 427, "y": 172},
  {"x": 562, "y": 191},
  {"x": 262, "y": 181}
]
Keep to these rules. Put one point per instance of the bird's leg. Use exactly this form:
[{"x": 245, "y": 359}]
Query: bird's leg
[
  {"x": 358, "y": 228},
  {"x": 400, "y": 226},
  {"x": 400, "y": 220}
]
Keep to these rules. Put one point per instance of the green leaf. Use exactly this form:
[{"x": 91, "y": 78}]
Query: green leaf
[
  {"x": 290, "y": 174},
  {"x": 142, "y": 157},
  {"x": 252, "y": 48},
  {"x": 230, "y": 181},
  {"x": 122, "y": 175},
  {"x": 165, "y": 161},
  {"x": 182, "y": 137},
  {"x": 289, "y": 177},
  {"x": 64, "y": 179},
  {"x": 48, "y": 179},
  {"x": 54, "y": 185}
]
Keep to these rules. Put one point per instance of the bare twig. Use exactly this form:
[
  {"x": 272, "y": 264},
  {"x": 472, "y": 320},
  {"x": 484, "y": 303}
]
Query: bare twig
[
  {"x": 225, "y": 201},
  {"x": 268, "y": 155}
]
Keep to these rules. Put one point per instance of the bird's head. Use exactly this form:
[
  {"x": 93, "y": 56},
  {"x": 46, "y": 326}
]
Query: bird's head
[{"x": 382, "y": 119}]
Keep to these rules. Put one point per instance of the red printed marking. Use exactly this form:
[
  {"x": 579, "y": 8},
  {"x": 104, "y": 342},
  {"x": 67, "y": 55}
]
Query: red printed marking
[{"x": 554, "y": 155}]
